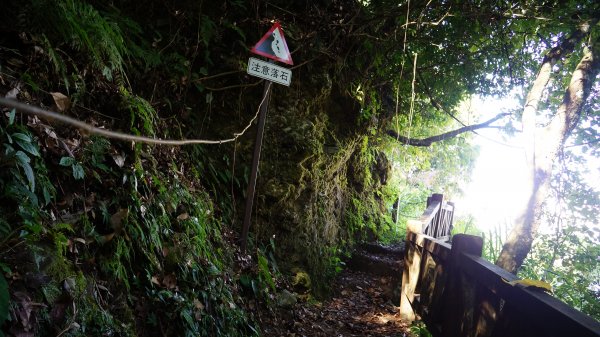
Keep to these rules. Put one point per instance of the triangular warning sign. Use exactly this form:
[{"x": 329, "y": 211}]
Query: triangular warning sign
[{"x": 273, "y": 46}]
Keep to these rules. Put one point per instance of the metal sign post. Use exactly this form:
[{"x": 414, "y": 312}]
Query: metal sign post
[
  {"x": 273, "y": 46},
  {"x": 255, "y": 159}
]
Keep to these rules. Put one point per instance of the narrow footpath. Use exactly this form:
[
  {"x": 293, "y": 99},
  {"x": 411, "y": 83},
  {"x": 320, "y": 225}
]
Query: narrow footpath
[{"x": 362, "y": 303}]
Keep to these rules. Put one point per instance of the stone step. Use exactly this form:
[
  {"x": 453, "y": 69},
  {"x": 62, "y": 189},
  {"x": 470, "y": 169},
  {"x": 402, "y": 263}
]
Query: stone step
[{"x": 378, "y": 260}]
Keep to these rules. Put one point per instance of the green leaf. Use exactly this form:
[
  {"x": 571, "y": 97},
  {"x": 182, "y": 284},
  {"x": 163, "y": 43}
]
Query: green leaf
[
  {"x": 22, "y": 157},
  {"x": 187, "y": 316},
  {"x": 78, "y": 172},
  {"x": 21, "y": 136},
  {"x": 30, "y": 176},
  {"x": 102, "y": 167},
  {"x": 64, "y": 226},
  {"x": 4, "y": 298},
  {"x": 23, "y": 160},
  {"x": 47, "y": 196},
  {"x": 4, "y": 268},
  {"x": 26, "y": 143},
  {"x": 67, "y": 161},
  {"x": 11, "y": 116},
  {"x": 107, "y": 72}
]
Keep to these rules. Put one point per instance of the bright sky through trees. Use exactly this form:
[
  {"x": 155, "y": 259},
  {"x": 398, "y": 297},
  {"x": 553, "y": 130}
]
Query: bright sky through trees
[{"x": 498, "y": 184}]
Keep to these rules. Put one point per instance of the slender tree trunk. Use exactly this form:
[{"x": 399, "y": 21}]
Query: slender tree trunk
[{"x": 544, "y": 145}]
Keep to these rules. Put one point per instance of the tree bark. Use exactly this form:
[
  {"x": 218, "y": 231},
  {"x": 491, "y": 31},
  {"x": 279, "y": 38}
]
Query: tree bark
[{"x": 543, "y": 149}]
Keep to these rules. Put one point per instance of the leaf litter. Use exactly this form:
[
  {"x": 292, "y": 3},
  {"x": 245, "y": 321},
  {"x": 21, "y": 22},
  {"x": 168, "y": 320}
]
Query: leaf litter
[{"x": 360, "y": 306}]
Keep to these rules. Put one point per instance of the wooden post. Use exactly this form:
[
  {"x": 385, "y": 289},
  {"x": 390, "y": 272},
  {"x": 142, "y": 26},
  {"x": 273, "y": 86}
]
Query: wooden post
[
  {"x": 435, "y": 223},
  {"x": 410, "y": 275},
  {"x": 459, "y": 293},
  {"x": 255, "y": 160}
]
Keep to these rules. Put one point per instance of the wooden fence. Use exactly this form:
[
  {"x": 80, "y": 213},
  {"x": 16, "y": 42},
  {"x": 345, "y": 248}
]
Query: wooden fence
[
  {"x": 437, "y": 219},
  {"x": 457, "y": 293}
]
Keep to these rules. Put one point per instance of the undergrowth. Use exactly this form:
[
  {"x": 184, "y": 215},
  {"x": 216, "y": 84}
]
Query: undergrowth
[
  {"x": 93, "y": 34},
  {"x": 144, "y": 254}
]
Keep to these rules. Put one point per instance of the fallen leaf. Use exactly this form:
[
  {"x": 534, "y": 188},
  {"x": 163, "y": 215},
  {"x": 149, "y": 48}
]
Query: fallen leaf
[
  {"x": 59, "y": 309},
  {"x": 12, "y": 94},
  {"x": 169, "y": 281},
  {"x": 63, "y": 103},
  {"x": 198, "y": 304},
  {"x": 72, "y": 247},
  {"x": 116, "y": 220},
  {"x": 80, "y": 240},
  {"x": 106, "y": 238},
  {"x": 24, "y": 309},
  {"x": 119, "y": 159}
]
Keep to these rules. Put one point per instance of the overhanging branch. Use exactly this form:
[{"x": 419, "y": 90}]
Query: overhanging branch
[{"x": 447, "y": 135}]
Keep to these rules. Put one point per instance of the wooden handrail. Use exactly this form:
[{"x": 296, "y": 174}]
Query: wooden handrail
[
  {"x": 431, "y": 244},
  {"x": 457, "y": 293},
  {"x": 541, "y": 309},
  {"x": 430, "y": 213}
]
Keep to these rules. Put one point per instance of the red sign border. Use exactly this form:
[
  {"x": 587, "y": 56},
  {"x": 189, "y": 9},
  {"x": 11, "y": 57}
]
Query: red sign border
[{"x": 273, "y": 57}]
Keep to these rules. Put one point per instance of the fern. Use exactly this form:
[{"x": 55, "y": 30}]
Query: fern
[
  {"x": 57, "y": 62},
  {"x": 89, "y": 31},
  {"x": 96, "y": 35},
  {"x": 140, "y": 110}
]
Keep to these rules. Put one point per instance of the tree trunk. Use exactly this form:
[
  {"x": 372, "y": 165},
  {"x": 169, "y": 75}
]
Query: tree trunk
[{"x": 543, "y": 148}]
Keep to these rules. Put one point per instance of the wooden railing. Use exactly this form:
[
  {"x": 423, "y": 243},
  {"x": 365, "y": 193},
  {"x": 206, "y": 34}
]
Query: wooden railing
[
  {"x": 437, "y": 219},
  {"x": 457, "y": 293}
]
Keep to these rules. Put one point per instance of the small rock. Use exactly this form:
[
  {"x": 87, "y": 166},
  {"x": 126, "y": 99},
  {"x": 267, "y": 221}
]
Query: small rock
[{"x": 286, "y": 299}]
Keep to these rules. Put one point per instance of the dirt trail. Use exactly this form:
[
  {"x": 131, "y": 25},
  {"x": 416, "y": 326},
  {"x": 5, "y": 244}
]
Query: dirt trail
[{"x": 361, "y": 305}]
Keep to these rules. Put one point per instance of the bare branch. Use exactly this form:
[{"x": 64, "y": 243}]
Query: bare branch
[{"x": 447, "y": 135}]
